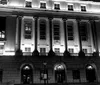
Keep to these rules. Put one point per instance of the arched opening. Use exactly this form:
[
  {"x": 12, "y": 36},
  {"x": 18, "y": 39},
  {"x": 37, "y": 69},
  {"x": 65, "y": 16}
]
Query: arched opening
[
  {"x": 27, "y": 74},
  {"x": 90, "y": 73},
  {"x": 60, "y": 73}
]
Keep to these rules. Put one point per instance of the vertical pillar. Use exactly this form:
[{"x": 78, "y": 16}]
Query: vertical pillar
[
  {"x": 66, "y": 53},
  {"x": 18, "y": 32},
  {"x": 35, "y": 52},
  {"x": 51, "y": 53},
  {"x": 80, "y": 42},
  {"x": 81, "y": 53},
  {"x": 50, "y": 29},
  {"x": 65, "y": 34},
  {"x": 20, "y": 23},
  {"x": 18, "y": 35},
  {"x": 94, "y": 35},
  {"x": 36, "y": 19}
]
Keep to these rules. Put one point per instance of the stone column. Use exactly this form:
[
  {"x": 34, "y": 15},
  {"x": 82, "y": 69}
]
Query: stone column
[
  {"x": 35, "y": 52},
  {"x": 94, "y": 35},
  {"x": 80, "y": 42},
  {"x": 66, "y": 53},
  {"x": 65, "y": 34},
  {"x": 36, "y": 19},
  {"x": 18, "y": 35},
  {"x": 51, "y": 53},
  {"x": 81, "y": 53},
  {"x": 20, "y": 24}
]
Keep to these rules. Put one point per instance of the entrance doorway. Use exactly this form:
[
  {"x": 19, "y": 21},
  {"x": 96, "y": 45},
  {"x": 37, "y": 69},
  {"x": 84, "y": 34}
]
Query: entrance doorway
[
  {"x": 59, "y": 73},
  {"x": 90, "y": 73},
  {"x": 27, "y": 74}
]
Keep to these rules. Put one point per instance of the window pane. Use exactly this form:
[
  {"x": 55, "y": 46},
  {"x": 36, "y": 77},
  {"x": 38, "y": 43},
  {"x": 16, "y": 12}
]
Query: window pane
[
  {"x": 42, "y": 50},
  {"x": 84, "y": 50},
  {"x": 56, "y": 29},
  {"x": 83, "y": 8},
  {"x": 83, "y": 31},
  {"x": 28, "y": 49},
  {"x": 56, "y": 6},
  {"x": 28, "y": 4},
  {"x": 2, "y": 28},
  {"x": 70, "y": 7},
  {"x": 3, "y": 1},
  {"x": 71, "y": 50},
  {"x": 57, "y": 50},
  {"x": 42, "y": 30},
  {"x": 70, "y": 31},
  {"x": 42, "y": 5},
  {"x": 28, "y": 29}
]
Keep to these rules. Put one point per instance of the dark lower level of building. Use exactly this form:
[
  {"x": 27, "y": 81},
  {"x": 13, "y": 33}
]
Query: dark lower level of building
[{"x": 40, "y": 70}]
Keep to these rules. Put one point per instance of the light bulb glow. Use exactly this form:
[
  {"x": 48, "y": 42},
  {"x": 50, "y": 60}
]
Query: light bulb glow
[
  {"x": 59, "y": 67},
  {"x": 26, "y": 68},
  {"x": 89, "y": 67}
]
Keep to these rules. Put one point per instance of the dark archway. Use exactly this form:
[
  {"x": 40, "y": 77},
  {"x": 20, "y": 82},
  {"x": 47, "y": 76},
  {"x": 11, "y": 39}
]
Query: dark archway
[
  {"x": 90, "y": 73},
  {"x": 27, "y": 74},
  {"x": 60, "y": 73}
]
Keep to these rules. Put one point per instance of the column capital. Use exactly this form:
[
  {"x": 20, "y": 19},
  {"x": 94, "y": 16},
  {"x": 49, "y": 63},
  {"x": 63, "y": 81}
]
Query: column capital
[
  {"x": 50, "y": 18},
  {"x": 78, "y": 19},
  {"x": 94, "y": 20},
  {"x": 19, "y": 16},
  {"x": 64, "y": 19},
  {"x": 35, "y": 17}
]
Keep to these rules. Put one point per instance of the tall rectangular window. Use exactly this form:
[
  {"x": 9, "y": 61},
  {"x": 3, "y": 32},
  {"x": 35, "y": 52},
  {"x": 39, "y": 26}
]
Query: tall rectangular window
[
  {"x": 42, "y": 29},
  {"x": 28, "y": 29},
  {"x": 70, "y": 31},
  {"x": 57, "y": 6},
  {"x": 83, "y": 31},
  {"x": 70, "y": 7},
  {"x": 3, "y": 2},
  {"x": 83, "y": 8},
  {"x": 28, "y": 3},
  {"x": 2, "y": 28},
  {"x": 42, "y": 5},
  {"x": 76, "y": 74},
  {"x": 56, "y": 29}
]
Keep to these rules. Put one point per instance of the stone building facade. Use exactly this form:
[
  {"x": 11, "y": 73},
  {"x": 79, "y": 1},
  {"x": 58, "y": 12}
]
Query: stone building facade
[{"x": 49, "y": 41}]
